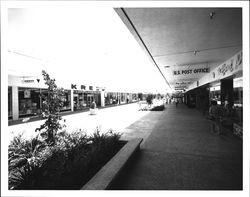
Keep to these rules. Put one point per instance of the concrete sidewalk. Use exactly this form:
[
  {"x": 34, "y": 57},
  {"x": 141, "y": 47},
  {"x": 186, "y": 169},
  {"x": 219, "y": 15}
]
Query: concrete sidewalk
[
  {"x": 116, "y": 118},
  {"x": 180, "y": 153}
]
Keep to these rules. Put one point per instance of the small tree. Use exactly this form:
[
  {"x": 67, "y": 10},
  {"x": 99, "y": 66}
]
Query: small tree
[{"x": 51, "y": 106}]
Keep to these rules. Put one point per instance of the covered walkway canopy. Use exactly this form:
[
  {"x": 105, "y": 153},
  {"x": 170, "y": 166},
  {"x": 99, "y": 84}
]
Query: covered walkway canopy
[{"x": 185, "y": 43}]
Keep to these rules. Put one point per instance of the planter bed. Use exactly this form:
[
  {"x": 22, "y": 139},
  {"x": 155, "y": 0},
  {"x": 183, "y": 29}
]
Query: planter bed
[
  {"x": 109, "y": 173},
  {"x": 62, "y": 167}
]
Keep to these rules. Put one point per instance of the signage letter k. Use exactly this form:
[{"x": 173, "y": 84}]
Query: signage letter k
[{"x": 73, "y": 86}]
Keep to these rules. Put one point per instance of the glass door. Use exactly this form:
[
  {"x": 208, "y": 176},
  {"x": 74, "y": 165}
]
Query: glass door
[{"x": 90, "y": 98}]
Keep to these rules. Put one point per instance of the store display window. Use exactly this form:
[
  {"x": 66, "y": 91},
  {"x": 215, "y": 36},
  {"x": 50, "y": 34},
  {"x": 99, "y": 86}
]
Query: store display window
[
  {"x": 66, "y": 98},
  {"x": 44, "y": 93},
  {"x": 215, "y": 93},
  {"x": 29, "y": 101},
  {"x": 107, "y": 98},
  {"x": 134, "y": 97},
  {"x": 80, "y": 100},
  {"x": 111, "y": 98},
  {"x": 90, "y": 99},
  {"x": 10, "y": 103},
  {"x": 123, "y": 97},
  {"x": 83, "y": 99},
  {"x": 97, "y": 97},
  {"x": 66, "y": 101},
  {"x": 238, "y": 100}
]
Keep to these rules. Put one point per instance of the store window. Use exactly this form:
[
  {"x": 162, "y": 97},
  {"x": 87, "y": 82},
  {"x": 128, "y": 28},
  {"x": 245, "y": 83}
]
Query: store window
[
  {"x": 43, "y": 95},
  {"x": 134, "y": 97},
  {"x": 90, "y": 99},
  {"x": 66, "y": 98},
  {"x": 111, "y": 98},
  {"x": 81, "y": 103},
  {"x": 85, "y": 98},
  {"x": 10, "y": 103},
  {"x": 29, "y": 101},
  {"x": 66, "y": 101},
  {"x": 238, "y": 100},
  {"x": 215, "y": 93},
  {"x": 80, "y": 100},
  {"x": 107, "y": 98}
]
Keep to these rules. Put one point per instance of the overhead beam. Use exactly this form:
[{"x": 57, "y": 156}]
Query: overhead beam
[
  {"x": 125, "y": 18},
  {"x": 199, "y": 50}
]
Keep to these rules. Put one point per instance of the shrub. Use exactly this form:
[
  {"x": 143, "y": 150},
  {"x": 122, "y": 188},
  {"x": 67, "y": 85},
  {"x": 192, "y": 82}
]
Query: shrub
[
  {"x": 68, "y": 164},
  {"x": 55, "y": 160},
  {"x": 25, "y": 158}
]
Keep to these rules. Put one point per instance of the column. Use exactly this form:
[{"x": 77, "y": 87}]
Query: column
[
  {"x": 130, "y": 97},
  {"x": 72, "y": 99},
  {"x": 227, "y": 90},
  {"x": 102, "y": 99},
  {"x": 15, "y": 103}
]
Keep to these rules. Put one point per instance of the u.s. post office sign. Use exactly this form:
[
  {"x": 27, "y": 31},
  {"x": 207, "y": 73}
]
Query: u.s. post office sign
[{"x": 191, "y": 70}]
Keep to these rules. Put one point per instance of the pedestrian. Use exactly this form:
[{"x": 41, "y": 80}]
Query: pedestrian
[
  {"x": 176, "y": 102},
  {"x": 93, "y": 108},
  {"x": 226, "y": 114},
  {"x": 93, "y": 104},
  {"x": 127, "y": 98},
  {"x": 214, "y": 114}
]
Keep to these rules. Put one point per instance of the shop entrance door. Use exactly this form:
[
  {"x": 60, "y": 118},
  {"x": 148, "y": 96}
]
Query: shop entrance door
[
  {"x": 76, "y": 102},
  {"x": 90, "y": 98}
]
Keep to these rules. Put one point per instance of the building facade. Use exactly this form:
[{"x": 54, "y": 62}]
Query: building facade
[{"x": 223, "y": 84}]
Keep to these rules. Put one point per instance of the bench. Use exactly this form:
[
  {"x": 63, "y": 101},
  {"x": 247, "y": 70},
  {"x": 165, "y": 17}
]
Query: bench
[{"x": 104, "y": 177}]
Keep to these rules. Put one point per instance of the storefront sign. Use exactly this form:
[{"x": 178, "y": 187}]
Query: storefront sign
[
  {"x": 191, "y": 71},
  {"x": 83, "y": 87},
  {"x": 238, "y": 60},
  {"x": 179, "y": 87},
  {"x": 183, "y": 83},
  {"x": 73, "y": 86},
  {"x": 92, "y": 92},
  {"x": 225, "y": 68},
  {"x": 28, "y": 81},
  {"x": 78, "y": 91},
  {"x": 98, "y": 88},
  {"x": 230, "y": 66}
]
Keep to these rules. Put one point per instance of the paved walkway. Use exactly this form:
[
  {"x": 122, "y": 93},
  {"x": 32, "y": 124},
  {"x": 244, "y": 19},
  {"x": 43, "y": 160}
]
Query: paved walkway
[
  {"x": 116, "y": 118},
  {"x": 180, "y": 153}
]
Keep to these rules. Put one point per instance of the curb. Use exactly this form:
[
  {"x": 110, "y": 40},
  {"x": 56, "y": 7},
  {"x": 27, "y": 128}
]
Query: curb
[{"x": 108, "y": 173}]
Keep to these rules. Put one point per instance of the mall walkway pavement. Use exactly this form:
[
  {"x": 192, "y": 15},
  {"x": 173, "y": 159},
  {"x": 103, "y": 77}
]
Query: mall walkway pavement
[{"x": 180, "y": 153}]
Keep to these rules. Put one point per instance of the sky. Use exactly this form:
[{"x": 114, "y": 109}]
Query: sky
[{"x": 87, "y": 45}]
